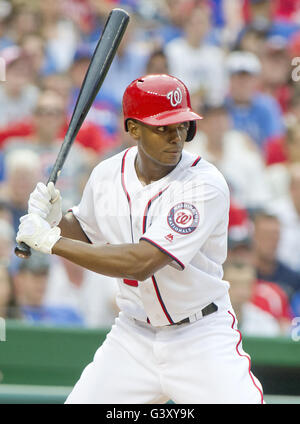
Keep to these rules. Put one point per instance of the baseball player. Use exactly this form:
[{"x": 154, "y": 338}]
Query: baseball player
[{"x": 155, "y": 217}]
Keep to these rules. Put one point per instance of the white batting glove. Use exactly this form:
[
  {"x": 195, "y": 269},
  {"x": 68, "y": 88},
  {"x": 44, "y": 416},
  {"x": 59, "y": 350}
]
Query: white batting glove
[
  {"x": 37, "y": 233},
  {"x": 45, "y": 201}
]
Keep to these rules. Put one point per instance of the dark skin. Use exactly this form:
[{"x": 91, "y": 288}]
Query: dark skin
[{"x": 159, "y": 151}]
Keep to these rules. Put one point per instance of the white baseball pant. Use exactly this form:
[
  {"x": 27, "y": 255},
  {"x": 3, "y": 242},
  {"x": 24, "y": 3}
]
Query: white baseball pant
[{"x": 198, "y": 363}]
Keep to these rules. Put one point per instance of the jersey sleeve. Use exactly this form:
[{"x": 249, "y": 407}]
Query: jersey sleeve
[
  {"x": 186, "y": 221},
  {"x": 84, "y": 212}
]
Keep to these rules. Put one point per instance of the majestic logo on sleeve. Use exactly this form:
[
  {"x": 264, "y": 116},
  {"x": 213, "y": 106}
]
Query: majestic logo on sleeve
[
  {"x": 169, "y": 237},
  {"x": 175, "y": 97},
  {"x": 183, "y": 218}
]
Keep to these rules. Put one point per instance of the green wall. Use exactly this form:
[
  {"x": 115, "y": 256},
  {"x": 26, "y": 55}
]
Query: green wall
[{"x": 34, "y": 355}]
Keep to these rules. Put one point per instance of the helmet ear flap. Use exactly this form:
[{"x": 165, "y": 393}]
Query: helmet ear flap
[
  {"x": 125, "y": 125},
  {"x": 191, "y": 132}
]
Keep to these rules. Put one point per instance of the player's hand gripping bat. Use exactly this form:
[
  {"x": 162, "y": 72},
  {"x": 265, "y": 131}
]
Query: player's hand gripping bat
[{"x": 102, "y": 58}]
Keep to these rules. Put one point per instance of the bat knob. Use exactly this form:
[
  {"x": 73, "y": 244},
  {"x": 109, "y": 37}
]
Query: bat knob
[{"x": 23, "y": 251}]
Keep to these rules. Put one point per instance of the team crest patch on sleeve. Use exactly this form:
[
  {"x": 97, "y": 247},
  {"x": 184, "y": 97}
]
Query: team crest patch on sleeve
[{"x": 183, "y": 218}]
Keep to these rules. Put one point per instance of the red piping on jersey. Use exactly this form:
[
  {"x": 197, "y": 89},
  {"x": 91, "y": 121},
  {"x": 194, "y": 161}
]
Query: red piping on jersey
[
  {"x": 196, "y": 161},
  {"x": 144, "y": 224},
  {"x": 125, "y": 190},
  {"x": 161, "y": 301},
  {"x": 148, "y": 207},
  {"x": 164, "y": 251},
  {"x": 245, "y": 356},
  {"x": 160, "y": 248},
  {"x": 144, "y": 227},
  {"x": 123, "y": 178}
]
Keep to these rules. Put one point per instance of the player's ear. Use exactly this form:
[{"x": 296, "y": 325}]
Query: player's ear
[{"x": 134, "y": 129}]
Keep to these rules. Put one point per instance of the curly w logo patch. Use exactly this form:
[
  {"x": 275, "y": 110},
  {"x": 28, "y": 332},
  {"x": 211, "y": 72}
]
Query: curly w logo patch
[{"x": 175, "y": 97}]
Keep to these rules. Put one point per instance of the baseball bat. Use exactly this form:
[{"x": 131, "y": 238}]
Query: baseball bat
[{"x": 102, "y": 58}]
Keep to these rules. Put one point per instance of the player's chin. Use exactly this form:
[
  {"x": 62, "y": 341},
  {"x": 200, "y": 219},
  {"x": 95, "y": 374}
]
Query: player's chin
[{"x": 171, "y": 159}]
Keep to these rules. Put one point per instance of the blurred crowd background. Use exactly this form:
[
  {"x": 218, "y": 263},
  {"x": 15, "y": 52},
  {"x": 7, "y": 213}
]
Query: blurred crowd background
[{"x": 240, "y": 60}]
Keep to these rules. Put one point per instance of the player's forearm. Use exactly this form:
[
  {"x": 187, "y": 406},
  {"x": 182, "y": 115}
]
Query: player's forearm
[{"x": 120, "y": 261}]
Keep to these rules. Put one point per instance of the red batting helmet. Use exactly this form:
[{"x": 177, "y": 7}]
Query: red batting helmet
[{"x": 159, "y": 100}]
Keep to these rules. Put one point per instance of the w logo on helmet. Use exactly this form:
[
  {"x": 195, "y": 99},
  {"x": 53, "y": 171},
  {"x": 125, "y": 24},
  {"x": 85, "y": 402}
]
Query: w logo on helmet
[{"x": 175, "y": 97}]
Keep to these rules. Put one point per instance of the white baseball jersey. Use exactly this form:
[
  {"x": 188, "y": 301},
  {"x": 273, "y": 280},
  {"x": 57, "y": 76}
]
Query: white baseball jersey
[{"x": 184, "y": 214}]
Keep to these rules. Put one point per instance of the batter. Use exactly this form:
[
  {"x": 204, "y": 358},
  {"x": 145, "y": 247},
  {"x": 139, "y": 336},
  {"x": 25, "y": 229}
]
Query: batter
[{"x": 155, "y": 217}]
